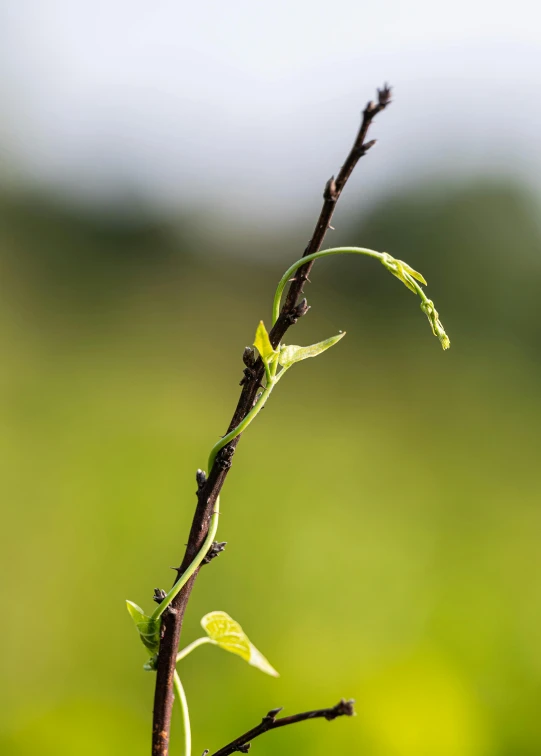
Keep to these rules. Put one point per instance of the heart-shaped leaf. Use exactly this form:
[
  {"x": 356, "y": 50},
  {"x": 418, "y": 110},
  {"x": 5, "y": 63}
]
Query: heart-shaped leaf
[{"x": 229, "y": 635}]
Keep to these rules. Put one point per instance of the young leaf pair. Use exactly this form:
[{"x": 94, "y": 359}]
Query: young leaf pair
[{"x": 286, "y": 356}]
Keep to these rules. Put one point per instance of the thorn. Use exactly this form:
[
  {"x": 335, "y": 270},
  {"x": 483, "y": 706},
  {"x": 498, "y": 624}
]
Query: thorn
[
  {"x": 367, "y": 146},
  {"x": 272, "y": 714},
  {"x": 331, "y": 227},
  {"x": 205, "y": 752},
  {"x": 301, "y": 275},
  {"x": 244, "y": 748}
]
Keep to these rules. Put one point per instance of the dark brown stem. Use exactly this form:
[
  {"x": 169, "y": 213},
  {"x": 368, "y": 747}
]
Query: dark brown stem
[
  {"x": 211, "y": 487},
  {"x": 270, "y": 722}
]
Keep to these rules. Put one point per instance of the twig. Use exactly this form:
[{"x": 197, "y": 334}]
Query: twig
[
  {"x": 270, "y": 722},
  {"x": 209, "y": 488},
  {"x": 331, "y": 195}
]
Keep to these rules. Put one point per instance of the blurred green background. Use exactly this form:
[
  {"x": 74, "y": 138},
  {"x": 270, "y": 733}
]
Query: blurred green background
[{"x": 382, "y": 515}]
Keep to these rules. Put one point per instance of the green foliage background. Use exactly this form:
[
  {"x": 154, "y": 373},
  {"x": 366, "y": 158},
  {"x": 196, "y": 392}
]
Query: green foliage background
[{"x": 382, "y": 514}]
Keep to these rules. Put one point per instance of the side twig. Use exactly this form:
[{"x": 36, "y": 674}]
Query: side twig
[
  {"x": 209, "y": 488},
  {"x": 270, "y": 722}
]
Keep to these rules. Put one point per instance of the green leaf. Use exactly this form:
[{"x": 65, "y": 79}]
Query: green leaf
[
  {"x": 148, "y": 628},
  {"x": 402, "y": 271},
  {"x": 263, "y": 345},
  {"x": 152, "y": 664},
  {"x": 413, "y": 273},
  {"x": 230, "y": 636},
  {"x": 291, "y": 354}
]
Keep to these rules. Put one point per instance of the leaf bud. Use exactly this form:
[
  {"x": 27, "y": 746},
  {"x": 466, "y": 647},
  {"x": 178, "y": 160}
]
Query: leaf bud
[{"x": 248, "y": 356}]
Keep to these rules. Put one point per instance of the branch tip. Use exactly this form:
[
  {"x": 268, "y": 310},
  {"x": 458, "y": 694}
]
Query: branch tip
[
  {"x": 384, "y": 99},
  {"x": 272, "y": 722},
  {"x": 342, "y": 709},
  {"x": 384, "y": 95}
]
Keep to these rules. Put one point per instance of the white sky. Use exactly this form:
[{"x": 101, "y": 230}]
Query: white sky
[{"x": 252, "y": 105}]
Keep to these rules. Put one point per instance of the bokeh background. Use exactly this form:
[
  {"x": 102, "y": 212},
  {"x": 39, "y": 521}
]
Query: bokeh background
[{"x": 161, "y": 165}]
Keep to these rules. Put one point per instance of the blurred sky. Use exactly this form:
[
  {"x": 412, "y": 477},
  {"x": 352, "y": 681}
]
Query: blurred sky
[{"x": 250, "y": 105}]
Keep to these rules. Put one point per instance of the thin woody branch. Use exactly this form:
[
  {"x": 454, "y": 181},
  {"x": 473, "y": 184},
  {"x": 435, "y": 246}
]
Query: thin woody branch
[
  {"x": 331, "y": 195},
  {"x": 270, "y": 722},
  {"x": 209, "y": 488}
]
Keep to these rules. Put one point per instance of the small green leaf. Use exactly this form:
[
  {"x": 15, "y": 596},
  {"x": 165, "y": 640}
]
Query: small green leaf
[
  {"x": 402, "y": 271},
  {"x": 229, "y": 635},
  {"x": 413, "y": 273},
  {"x": 136, "y": 613},
  {"x": 149, "y": 629},
  {"x": 291, "y": 354},
  {"x": 152, "y": 664},
  {"x": 263, "y": 345}
]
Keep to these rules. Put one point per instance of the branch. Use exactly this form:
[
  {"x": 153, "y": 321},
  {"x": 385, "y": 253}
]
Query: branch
[
  {"x": 331, "y": 195},
  {"x": 269, "y": 722},
  {"x": 209, "y": 488}
]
